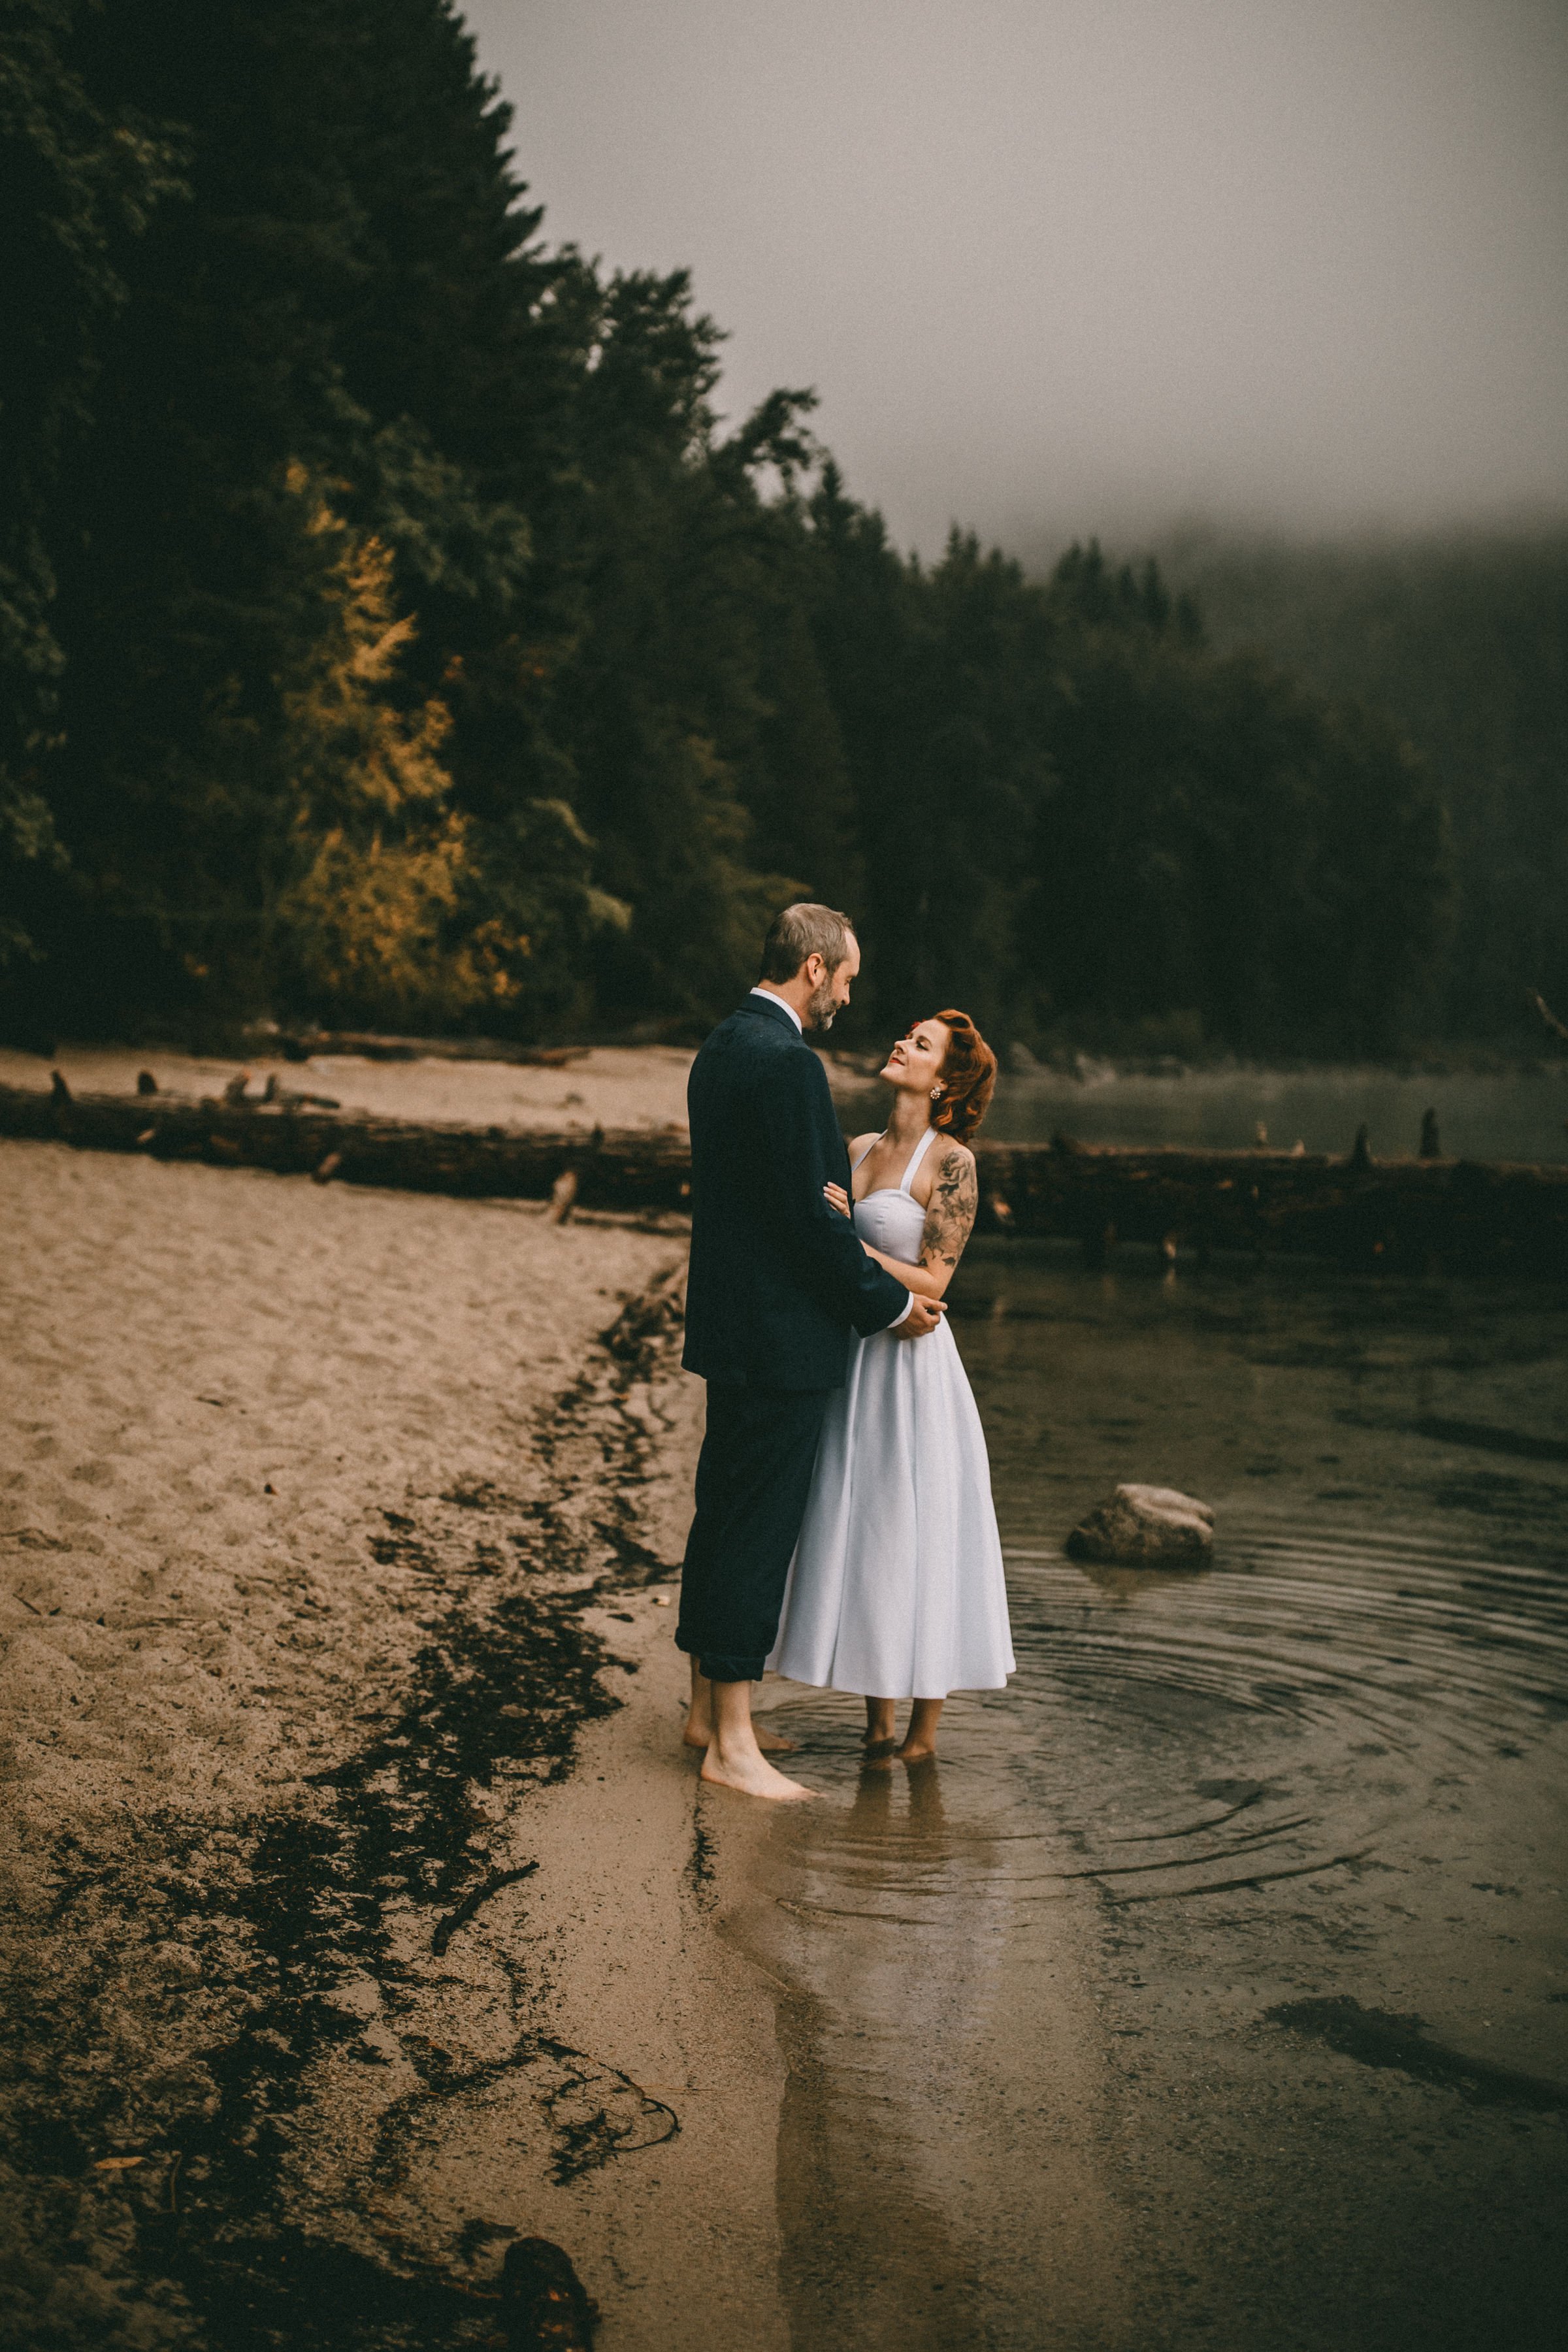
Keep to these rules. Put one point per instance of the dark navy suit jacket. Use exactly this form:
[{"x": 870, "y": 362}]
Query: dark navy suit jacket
[{"x": 778, "y": 1280}]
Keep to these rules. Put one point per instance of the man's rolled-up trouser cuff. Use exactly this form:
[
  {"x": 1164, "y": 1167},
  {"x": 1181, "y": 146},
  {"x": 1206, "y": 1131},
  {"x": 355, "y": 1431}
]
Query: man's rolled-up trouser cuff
[{"x": 721, "y": 1669}]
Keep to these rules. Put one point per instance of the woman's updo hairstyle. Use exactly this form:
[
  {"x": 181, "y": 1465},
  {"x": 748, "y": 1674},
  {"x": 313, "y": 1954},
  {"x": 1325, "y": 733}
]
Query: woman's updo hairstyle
[{"x": 968, "y": 1077}]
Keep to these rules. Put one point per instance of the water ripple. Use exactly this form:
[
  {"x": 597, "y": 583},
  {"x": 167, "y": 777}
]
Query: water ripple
[{"x": 1359, "y": 1660}]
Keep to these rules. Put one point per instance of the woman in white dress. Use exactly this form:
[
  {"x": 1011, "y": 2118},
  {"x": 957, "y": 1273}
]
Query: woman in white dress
[{"x": 896, "y": 1589}]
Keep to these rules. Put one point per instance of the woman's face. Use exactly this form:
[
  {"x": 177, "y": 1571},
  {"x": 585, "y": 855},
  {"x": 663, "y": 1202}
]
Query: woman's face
[{"x": 916, "y": 1060}]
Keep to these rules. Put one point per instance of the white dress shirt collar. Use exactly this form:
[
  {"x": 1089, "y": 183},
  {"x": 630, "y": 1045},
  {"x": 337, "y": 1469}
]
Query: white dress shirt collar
[{"x": 784, "y": 1002}]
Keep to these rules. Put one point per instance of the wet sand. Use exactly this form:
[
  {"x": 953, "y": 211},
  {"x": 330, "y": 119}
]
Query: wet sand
[{"x": 354, "y": 1918}]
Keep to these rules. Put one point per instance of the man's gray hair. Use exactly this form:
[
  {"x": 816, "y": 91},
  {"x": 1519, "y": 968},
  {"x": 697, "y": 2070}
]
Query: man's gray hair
[{"x": 802, "y": 930}]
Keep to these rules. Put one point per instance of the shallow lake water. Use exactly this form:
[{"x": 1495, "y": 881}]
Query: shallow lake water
[
  {"x": 1499, "y": 1115},
  {"x": 1209, "y": 1991}
]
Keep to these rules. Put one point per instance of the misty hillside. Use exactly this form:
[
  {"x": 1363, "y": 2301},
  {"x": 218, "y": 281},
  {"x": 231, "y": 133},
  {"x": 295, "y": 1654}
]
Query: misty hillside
[{"x": 1463, "y": 641}]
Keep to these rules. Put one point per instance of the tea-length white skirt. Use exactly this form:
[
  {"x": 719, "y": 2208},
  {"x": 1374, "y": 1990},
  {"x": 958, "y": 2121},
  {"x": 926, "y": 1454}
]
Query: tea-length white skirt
[{"x": 896, "y": 1589}]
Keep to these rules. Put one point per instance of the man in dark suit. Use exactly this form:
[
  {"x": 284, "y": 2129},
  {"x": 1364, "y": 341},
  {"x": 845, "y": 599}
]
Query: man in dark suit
[{"x": 778, "y": 1281}]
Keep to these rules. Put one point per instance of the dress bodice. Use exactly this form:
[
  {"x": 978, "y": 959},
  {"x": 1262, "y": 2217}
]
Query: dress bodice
[
  {"x": 894, "y": 1223},
  {"x": 892, "y": 1219}
]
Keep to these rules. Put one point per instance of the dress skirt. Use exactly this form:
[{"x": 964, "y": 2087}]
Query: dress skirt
[{"x": 896, "y": 1589}]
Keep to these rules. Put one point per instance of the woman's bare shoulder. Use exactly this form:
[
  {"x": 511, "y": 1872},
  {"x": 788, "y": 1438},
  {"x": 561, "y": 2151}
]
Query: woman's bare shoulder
[
  {"x": 858, "y": 1143},
  {"x": 948, "y": 1173},
  {"x": 951, "y": 1162}
]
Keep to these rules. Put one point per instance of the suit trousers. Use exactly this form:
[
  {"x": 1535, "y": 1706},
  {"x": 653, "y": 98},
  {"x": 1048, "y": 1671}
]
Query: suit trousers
[{"x": 752, "y": 1479}]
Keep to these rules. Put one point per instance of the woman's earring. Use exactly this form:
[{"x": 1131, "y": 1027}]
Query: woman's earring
[{"x": 936, "y": 1094}]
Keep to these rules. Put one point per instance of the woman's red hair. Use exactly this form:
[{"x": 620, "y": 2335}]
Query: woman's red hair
[{"x": 968, "y": 1077}]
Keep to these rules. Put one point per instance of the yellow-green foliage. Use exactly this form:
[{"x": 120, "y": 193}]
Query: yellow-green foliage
[{"x": 379, "y": 861}]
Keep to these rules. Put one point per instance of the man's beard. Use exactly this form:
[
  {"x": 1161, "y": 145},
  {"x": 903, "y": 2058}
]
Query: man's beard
[{"x": 821, "y": 1008}]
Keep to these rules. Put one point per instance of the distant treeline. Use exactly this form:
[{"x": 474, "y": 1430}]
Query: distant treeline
[
  {"x": 389, "y": 632},
  {"x": 1464, "y": 642}
]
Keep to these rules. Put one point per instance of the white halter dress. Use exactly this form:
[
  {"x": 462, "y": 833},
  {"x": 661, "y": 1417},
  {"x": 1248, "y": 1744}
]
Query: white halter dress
[{"x": 896, "y": 1589}]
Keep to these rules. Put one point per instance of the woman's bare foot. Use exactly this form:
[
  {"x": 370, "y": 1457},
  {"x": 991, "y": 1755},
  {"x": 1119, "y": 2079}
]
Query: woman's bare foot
[
  {"x": 920, "y": 1739},
  {"x": 881, "y": 1729}
]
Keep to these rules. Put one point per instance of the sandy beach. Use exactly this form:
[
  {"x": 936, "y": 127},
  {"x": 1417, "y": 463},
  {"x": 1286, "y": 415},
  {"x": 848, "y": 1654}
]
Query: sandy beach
[
  {"x": 334, "y": 1537},
  {"x": 609, "y": 1086}
]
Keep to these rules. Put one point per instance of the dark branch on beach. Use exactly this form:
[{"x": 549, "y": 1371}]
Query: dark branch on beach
[{"x": 473, "y": 1903}]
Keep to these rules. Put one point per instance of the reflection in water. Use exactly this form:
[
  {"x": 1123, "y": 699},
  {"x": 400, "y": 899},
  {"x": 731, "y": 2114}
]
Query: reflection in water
[
  {"x": 1082, "y": 2047},
  {"x": 915, "y": 2193}
]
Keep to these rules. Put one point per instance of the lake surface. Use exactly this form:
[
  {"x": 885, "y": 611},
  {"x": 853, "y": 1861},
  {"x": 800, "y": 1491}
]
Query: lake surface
[
  {"x": 1509, "y": 1115},
  {"x": 1209, "y": 1991}
]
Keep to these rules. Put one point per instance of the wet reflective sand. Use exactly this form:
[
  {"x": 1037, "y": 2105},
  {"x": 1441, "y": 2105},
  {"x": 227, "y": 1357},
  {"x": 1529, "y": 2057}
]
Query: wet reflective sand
[{"x": 1210, "y": 1990}]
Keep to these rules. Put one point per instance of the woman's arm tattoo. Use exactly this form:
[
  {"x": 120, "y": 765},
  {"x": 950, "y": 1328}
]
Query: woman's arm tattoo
[{"x": 950, "y": 1212}]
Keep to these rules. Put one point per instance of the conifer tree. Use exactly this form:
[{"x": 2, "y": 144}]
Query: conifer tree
[{"x": 77, "y": 183}]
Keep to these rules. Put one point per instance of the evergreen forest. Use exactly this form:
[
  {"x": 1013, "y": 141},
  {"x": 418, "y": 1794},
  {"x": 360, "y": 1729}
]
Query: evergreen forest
[
  {"x": 394, "y": 632},
  {"x": 1463, "y": 639}
]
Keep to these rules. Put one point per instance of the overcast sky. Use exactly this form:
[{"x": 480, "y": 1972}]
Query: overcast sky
[{"x": 1065, "y": 266}]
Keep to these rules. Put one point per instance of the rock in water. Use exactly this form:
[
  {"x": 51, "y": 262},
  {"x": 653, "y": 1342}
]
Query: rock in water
[
  {"x": 548, "y": 2308},
  {"x": 1146, "y": 1526}
]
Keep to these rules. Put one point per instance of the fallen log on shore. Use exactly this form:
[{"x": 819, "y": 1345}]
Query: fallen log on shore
[
  {"x": 1466, "y": 1216},
  {"x": 369, "y": 1045},
  {"x": 626, "y": 1168},
  {"x": 1463, "y": 1216}
]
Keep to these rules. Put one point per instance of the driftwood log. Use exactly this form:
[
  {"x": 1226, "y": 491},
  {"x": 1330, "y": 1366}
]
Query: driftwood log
[
  {"x": 299, "y": 1045},
  {"x": 628, "y": 1169},
  {"x": 1458, "y": 1215}
]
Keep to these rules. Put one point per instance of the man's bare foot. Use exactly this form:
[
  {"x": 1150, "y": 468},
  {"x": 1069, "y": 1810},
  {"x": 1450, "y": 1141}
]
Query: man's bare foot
[
  {"x": 753, "y": 1776},
  {"x": 876, "y": 1749},
  {"x": 698, "y": 1731},
  {"x": 772, "y": 1743},
  {"x": 917, "y": 1751},
  {"x": 733, "y": 1760}
]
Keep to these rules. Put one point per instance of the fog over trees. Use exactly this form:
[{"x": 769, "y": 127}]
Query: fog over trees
[
  {"x": 1462, "y": 638},
  {"x": 391, "y": 633}
]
